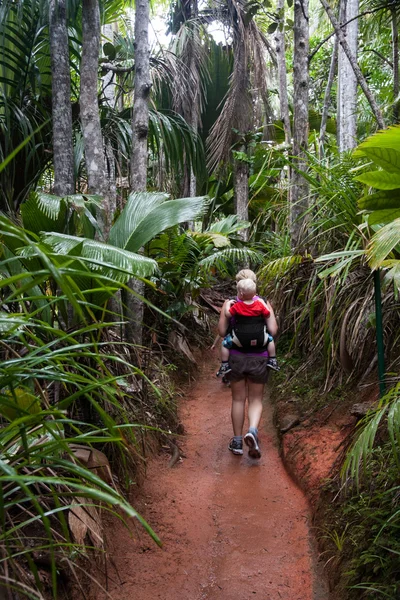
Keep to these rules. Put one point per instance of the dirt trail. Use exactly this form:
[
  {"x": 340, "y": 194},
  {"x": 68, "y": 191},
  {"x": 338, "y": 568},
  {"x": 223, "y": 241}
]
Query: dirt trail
[{"x": 233, "y": 528}]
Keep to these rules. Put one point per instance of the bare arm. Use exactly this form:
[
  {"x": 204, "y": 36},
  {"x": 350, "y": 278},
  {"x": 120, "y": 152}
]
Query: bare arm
[
  {"x": 272, "y": 324},
  {"x": 223, "y": 322}
]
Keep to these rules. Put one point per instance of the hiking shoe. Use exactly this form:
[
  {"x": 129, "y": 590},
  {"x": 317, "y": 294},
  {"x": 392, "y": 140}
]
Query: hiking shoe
[
  {"x": 223, "y": 370},
  {"x": 272, "y": 363},
  {"x": 251, "y": 440},
  {"x": 226, "y": 381},
  {"x": 235, "y": 446}
]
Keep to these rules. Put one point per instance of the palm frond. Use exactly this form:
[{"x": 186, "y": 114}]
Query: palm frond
[
  {"x": 382, "y": 243},
  {"x": 279, "y": 267},
  {"x": 111, "y": 261},
  {"x": 222, "y": 258},
  {"x": 147, "y": 214},
  {"x": 228, "y": 225}
]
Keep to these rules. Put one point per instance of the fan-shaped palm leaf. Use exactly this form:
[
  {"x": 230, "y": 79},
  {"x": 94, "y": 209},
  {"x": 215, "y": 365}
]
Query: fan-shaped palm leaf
[
  {"x": 147, "y": 214},
  {"x": 106, "y": 260},
  {"x": 229, "y": 225}
]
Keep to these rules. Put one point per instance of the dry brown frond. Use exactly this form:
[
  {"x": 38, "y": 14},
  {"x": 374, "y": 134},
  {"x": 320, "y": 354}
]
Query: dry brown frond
[{"x": 248, "y": 82}]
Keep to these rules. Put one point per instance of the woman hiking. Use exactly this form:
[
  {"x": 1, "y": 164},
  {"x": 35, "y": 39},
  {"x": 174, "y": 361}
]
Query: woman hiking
[{"x": 248, "y": 373}]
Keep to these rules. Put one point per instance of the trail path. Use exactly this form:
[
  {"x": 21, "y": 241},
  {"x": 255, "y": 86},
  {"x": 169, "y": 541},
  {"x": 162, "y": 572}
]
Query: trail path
[{"x": 232, "y": 528}]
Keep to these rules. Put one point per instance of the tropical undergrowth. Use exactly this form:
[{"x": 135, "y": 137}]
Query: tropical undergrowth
[
  {"x": 77, "y": 412},
  {"x": 360, "y": 510},
  {"x": 326, "y": 304}
]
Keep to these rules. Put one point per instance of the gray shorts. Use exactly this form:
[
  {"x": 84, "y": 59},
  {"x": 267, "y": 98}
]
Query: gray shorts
[{"x": 245, "y": 366}]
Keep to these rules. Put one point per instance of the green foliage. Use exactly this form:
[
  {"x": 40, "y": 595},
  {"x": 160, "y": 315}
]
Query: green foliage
[
  {"x": 25, "y": 99},
  {"x": 383, "y": 207},
  {"x": 366, "y": 521},
  {"x": 91, "y": 264},
  {"x": 362, "y": 449},
  {"x": 59, "y": 386},
  {"x": 147, "y": 214},
  {"x": 192, "y": 260}
]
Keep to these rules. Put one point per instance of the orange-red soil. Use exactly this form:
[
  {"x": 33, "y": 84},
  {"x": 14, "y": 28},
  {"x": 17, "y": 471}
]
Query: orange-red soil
[{"x": 232, "y": 528}]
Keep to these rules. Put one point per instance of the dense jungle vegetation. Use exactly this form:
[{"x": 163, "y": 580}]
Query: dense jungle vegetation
[{"x": 133, "y": 175}]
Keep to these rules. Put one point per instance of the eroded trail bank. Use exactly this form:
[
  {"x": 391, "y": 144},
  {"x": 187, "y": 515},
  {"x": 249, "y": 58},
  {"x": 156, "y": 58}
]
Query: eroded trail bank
[{"x": 233, "y": 528}]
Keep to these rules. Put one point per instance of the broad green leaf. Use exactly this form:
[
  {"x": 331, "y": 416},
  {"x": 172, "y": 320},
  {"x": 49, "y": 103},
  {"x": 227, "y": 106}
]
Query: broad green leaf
[
  {"x": 380, "y": 200},
  {"x": 381, "y": 180},
  {"x": 383, "y": 216},
  {"x": 385, "y": 138},
  {"x": 387, "y": 158}
]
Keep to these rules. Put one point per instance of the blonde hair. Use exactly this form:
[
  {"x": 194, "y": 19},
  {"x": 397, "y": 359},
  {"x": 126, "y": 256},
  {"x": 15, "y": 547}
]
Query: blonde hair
[
  {"x": 246, "y": 274},
  {"x": 246, "y": 288}
]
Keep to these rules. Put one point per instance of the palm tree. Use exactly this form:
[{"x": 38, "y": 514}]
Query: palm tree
[{"x": 234, "y": 126}]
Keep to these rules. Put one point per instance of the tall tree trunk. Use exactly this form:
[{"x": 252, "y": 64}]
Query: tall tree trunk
[
  {"x": 109, "y": 91},
  {"x": 360, "y": 77},
  {"x": 89, "y": 109},
  {"x": 299, "y": 185},
  {"x": 282, "y": 78},
  {"x": 395, "y": 54},
  {"x": 140, "y": 115},
  {"x": 61, "y": 100},
  {"x": 241, "y": 190},
  {"x": 327, "y": 96},
  {"x": 347, "y": 80},
  {"x": 244, "y": 125},
  {"x": 191, "y": 110},
  {"x": 139, "y": 159}
]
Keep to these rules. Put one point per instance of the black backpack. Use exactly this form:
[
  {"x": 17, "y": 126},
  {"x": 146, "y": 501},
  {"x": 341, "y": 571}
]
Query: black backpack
[{"x": 249, "y": 333}]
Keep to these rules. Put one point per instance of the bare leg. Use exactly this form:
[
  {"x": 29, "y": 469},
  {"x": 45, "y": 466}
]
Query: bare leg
[
  {"x": 256, "y": 392},
  {"x": 271, "y": 349},
  {"x": 224, "y": 354},
  {"x": 238, "y": 403}
]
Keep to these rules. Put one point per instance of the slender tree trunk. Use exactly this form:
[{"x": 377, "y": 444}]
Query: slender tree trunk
[
  {"x": 282, "y": 78},
  {"x": 109, "y": 91},
  {"x": 327, "y": 96},
  {"x": 61, "y": 100},
  {"x": 89, "y": 108},
  {"x": 347, "y": 80},
  {"x": 299, "y": 185},
  {"x": 139, "y": 159},
  {"x": 395, "y": 54},
  {"x": 194, "y": 115},
  {"x": 140, "y": 115},
  {"x": 241, "y": 190},
  {"x": 108, "y": 79},
  {"x": 360, "y": 77},
  {"x": 244, "y": 125}
]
